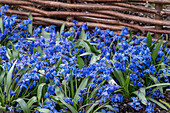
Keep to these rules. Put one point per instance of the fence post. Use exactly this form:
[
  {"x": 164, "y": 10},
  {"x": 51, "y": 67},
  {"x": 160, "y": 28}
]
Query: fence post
[{"x": 158, "y": 7}]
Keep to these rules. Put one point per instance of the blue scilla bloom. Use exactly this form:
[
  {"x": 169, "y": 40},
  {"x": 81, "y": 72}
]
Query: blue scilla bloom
[
  {"x": 66, "y": 99},
  {"x": 12, "y": 92},
  {"x": 115, "y": 106},
  {"x": 4, "y": 8},
  {"x": 151, "y": 70},
  {"x": 125, "y": 31},
  {"x": 37, "y": 30},
  {"x": 135, "y": 104},
  {"x": 67, "y": 34},
  {"x": 51, "y": 89},
  {"x": 149, "y": 108},
  {"x": 47, "y": 95},
  {"x": 29, "y": 21},
  {"x": 117, "y": 98}
]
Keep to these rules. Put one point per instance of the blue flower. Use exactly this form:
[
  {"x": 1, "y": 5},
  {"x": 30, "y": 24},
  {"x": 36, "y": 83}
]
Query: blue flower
[{"x": 12, "y": 92}]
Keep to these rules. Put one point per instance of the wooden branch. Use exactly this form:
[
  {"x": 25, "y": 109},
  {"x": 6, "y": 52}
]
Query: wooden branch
[
  {"x": 79, "y": 6},
  {"x": 143, "y": 9},
  {"x": 134, "y": 18},
  {"x": 114, "y": 22},
  {"x": 89, "y": 24},
  {"x": 64, "y": 13},
  {"x": 123, "y": 1},
  {"x": 13, "y": 2},
  {"x": 108, "y": 21},
  {"x": 22, "y": 13}
]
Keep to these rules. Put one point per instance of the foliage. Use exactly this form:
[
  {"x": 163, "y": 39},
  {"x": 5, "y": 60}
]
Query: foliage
[{"x": 75, "y": 71}]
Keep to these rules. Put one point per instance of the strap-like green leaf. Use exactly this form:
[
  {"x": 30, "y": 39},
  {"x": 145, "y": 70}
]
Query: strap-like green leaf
[
  {"x": 23, "y": 105},
  {"x": 32, "y": 101},
  {"x": 62, "y": 28},
  {"x": 59, "y": 92},
  {"x": 43, "y": 110},
  {"x": 82, "y": 86},
  {"x": 119, "y": 76},
  {"x": 92, "y": 107},
  {"x": 155, "y": 51},
  {"x": 30, "y": 25},
  {"x": 1, "y": 25},
  {"x": 149, "y": 40},
  {"x": 168, "y": 105},
  {"x": 156, "y": 85},
  {"x": 72, "y": 109},
  {"x": 39, "y": 91},
  {"x": 142, "y": 95},
  {"x": 94, "y": 50},
  {"x": 80, "y": 62},
  {"x": 83, "y": 35},
  {"x": 158, "y": 103},
  {"x": 9, "y": 77},
  {"x": 2, "y": 76}
]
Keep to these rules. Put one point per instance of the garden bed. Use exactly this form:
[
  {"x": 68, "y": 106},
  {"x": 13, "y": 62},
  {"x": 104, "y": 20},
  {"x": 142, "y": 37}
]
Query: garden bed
[{"x": 43, "y": 69}]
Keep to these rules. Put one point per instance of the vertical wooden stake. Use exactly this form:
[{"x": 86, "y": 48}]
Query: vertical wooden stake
[{"x": 159, "y": 7}]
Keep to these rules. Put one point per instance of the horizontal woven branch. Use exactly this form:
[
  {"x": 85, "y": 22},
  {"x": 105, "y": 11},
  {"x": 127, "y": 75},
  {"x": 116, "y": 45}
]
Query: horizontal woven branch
[{"x": 110, "y": 14}]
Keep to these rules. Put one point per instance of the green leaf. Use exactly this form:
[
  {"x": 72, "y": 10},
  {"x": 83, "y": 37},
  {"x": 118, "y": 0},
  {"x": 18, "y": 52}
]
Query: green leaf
[
  {"x": 153, "y": 45},
  {"x": 32, "y": 101},
  {"x": 119, "y": 76},
  {"x": 168, "y": 105},
  {"x": 58, "y": 64},
  {"x": 0, "y": 59},
  {"x": 72, "y": 109},
  {"x": 1, "y": 24},
  {"x": 86, "y": 53},
  {"x": 2, "y": 76},
  {"x": 30, "y": 25},
  {"x": 92, "y": 107},
  {"x": 156, "y": 85},
  {"x": 149, "y": 40},
  {"x": 82, "y": 86},
  {"x": 130, "y": 37},
  {"x": 9, "y": 77},
  {"x": 62, "y": 28},
  {"x": 101, "y": 106},
  {"x": 155, "y": 51},
  {"x": 94, "y": 58},
  {"x": 39, "y": 91},
  {"x": 94, "y": 50},
  {"x": 141, "y": 94},
  {"x": 59, "y": 92},
  {"x": 34, "y": 50},
  {"x": 58, "y": 36},
  {"x": 43, "y": 110},
  {"x": 111, "y": 80},
  {"x": 80, "y": 62},
  {"x": 45, "y": 34},
  {"x": 2, "y": 108},
  {"x": 110, "y": 107},
  {"x": 83, "y": 35},
  {"x": 126, "y": 85},
  {"x": 158, "y": 103},
  {"x": 157, "y": 82},
  {"x": 23, "y": 105},
  {"x": 71, "y": 82}
]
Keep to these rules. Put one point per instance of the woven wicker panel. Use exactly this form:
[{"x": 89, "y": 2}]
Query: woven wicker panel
[{"x": 111, "y": 14}]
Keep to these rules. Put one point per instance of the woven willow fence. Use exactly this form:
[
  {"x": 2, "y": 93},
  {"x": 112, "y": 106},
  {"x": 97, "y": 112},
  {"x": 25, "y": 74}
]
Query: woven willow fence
[{"x": 112, "y": 14}]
